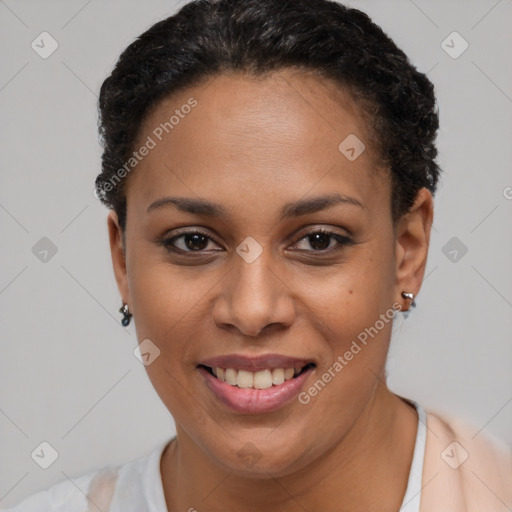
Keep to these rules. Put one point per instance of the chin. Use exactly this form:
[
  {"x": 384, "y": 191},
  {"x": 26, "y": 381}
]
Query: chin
[{"x": 260, "y": 459}]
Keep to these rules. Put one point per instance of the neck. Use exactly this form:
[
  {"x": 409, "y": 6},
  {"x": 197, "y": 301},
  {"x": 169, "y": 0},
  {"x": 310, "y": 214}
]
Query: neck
[{"x": 367, "y": 469}]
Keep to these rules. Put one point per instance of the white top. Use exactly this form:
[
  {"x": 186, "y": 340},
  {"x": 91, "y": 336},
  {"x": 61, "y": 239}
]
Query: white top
[
  {"x": 411, "y": 501},
  {"x": 138, "y": 485}
]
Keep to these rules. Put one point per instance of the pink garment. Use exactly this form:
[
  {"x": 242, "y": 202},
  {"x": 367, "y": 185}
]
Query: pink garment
[
  {"x": 464, "y": 470},
  {"x": 101, "y": 491}
]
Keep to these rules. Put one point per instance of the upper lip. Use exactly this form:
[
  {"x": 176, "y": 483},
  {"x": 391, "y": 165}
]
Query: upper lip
[{"x": 257, "y": 363}]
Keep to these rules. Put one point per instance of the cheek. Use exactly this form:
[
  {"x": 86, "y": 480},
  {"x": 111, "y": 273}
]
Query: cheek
[
  {"x": 356, "y": 327},
  {"x": 352, "y": 309},
  {"x": 353, "y": 295},
  {"x": 161, "y": 305},
  {"x": 166, "y": 322},
  {"x": 354, "y": 355},
  {"x": 171, "y": 309},
  {"x": 164, "y": 297}
]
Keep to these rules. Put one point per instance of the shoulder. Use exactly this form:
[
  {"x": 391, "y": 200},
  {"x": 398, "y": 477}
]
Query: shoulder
[
  {"x": 94, "y": 487},
  {"x": 464, "y": 468},
  {"x": 126, "y": 487}
]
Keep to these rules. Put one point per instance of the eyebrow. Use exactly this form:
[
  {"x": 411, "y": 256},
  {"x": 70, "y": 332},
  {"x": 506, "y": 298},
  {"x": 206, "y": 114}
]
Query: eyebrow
[{"x": 205, "y": 208}]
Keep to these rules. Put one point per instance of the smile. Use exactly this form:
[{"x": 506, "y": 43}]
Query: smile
[
  {"x": 254, "y": 392},
  {"x": 263, "y": 379}
]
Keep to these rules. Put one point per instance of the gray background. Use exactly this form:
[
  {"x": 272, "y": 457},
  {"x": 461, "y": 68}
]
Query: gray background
[{"x": 68, "y": 375}]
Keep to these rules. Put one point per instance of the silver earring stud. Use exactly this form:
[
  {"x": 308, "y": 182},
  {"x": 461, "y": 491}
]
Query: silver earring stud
[{"x": 410, "y": 296}]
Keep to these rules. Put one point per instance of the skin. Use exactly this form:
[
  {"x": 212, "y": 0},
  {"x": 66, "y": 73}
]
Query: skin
[{"x": 254, "y": 144}]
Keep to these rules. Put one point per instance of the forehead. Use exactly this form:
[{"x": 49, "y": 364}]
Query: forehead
[{"x": 234, "y": 136}]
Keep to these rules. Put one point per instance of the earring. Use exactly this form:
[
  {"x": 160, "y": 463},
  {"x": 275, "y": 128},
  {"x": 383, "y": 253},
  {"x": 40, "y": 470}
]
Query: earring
[
  {"x": 410, "y": 296},
  {"x": 127, "y": 316}
]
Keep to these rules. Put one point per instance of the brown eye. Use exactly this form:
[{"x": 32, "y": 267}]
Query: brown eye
[
  {"x": 193, "y": 241},
  {"x": 320, "y": 241}
]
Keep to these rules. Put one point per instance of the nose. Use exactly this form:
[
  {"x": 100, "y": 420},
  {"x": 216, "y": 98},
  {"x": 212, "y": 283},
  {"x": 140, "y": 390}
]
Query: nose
[{"x": 254, "y": 298}]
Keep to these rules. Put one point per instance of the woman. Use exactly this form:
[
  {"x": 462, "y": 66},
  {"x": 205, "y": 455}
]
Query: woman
[{"x": 270, "y": 170}]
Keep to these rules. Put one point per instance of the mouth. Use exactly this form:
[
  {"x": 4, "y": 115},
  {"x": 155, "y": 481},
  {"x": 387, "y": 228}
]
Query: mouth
[
  {"x": 263, "y": 379},
  {"x": 255, "y": 386}
]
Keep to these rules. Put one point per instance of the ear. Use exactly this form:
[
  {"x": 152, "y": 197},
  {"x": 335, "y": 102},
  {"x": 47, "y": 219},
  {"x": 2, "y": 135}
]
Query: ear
[
  {"x": 412, "y": 242},
  {"x": 117, "y": 251}
]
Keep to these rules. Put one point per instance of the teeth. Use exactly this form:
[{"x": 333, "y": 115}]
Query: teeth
[
  {"x": 231, "y": 376},
  {"x": 245, "y": 379},
  {"x": 257, "y": 380},
  {"x": 277, "y": 376},
  {"x": 263, "y": 379},
  {"x": 289, "y": 373}
]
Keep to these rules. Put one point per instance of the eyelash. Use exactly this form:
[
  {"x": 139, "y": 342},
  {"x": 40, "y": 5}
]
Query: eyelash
[{"x": 341, "y": 239}]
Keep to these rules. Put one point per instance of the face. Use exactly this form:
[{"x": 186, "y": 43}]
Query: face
[{"x": 277, "y": 251}]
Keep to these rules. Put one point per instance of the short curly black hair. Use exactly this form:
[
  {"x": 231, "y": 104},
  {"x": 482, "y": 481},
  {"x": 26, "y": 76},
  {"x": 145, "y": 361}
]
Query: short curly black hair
[{"x": 208, "y": 37}]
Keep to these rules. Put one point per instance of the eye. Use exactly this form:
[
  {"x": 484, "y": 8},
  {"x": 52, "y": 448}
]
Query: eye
[
  {"x": 189, "y": 241},
  {"x": 320, "y": 241}
]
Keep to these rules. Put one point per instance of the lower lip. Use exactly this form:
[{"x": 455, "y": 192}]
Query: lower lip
[{"x": 254, "y": 401}]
